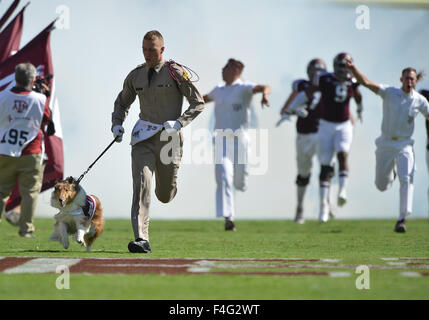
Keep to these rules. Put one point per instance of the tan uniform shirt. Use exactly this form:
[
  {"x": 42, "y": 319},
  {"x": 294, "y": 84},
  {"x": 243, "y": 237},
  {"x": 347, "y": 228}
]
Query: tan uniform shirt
[{"x": 160, "y": 100}]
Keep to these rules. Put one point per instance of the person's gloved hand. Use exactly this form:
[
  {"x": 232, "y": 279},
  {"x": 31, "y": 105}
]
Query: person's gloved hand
[
  {"x": 172, "y": 125},
  {"x": 301, "y": 112},
  {"x": 118, "y": 131}
]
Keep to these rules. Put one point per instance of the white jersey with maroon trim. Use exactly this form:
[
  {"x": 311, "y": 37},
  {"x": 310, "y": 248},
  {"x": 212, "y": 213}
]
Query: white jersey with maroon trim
[{"x": 21, "y": 117}]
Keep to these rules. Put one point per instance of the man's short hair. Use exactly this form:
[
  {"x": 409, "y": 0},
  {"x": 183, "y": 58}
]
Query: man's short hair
[
  {"x": 419, "y": 75},
  {"x": 238, "y": 64},
  {"x": 153, "y": 35},
  {"x": 25, "y": 73}
]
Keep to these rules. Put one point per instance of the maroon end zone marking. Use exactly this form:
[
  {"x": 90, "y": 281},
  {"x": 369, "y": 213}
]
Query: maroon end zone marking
[
  {"x": 257, "y": 260},
  {"x": 170, "y": 266},
  {"x": 133, "y": 266},
  {"x": 413, "y": 259},
  {"x": 11, "y": 262}
]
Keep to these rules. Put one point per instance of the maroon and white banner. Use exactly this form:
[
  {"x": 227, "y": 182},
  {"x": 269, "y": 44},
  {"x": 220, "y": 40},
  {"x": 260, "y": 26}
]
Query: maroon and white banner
[
  {"x": 38, "y": 52},
  {"x": 10, "y": 37},
  {"x": 8, "y": 13}
]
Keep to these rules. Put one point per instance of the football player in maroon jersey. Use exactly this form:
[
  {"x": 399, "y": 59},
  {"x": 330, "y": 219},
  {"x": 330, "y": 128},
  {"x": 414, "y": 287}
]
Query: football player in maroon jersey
[
  {"x": 306, "y": 127},
  {"x": 335, "y": 128}
]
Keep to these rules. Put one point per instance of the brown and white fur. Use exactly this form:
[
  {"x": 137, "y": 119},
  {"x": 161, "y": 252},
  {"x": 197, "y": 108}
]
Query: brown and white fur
[{"x": 70, "y": 198}]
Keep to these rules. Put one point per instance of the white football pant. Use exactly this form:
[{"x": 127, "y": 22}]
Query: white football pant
[
  {"x": 333, "y": 138},
  {"x": 306, "y": 148}
]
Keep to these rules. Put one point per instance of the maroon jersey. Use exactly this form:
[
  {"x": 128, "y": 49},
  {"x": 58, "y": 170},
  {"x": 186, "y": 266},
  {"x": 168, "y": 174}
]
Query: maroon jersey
[
  {"x": 310, "y": 123},
  {"x": 336, "y": 94}
]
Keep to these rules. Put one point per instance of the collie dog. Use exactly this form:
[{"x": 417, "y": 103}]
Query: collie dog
[{"x": 80, "y": 215}]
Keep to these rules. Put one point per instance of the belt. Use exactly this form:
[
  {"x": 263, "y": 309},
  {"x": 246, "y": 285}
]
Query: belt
[{"x": 394, "y": 138}]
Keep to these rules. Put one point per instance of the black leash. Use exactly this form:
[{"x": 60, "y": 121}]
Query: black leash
[{"x": 89, "y": 168}]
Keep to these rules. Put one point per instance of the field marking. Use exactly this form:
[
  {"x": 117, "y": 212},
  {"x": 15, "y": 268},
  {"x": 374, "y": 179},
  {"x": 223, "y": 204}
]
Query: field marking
[
  {"x": 42, "y": 265},
  {"x": 339, "y": 274},
  {"x": 404, "y": 258},
  {"x": 411, "y": 274},
  {"x": 210, "y": 266},
  {"x": 391, "y": 263}
]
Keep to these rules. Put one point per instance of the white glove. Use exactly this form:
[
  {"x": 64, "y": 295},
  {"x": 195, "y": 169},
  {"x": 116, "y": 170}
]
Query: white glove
[
  {"x": 172, "y": 125},
  {"x": 285, "y": 116},
  {"x": 301, "y": 112},
  {"x": 298, "y": 105},
  {"x": 118, "y": 131}
]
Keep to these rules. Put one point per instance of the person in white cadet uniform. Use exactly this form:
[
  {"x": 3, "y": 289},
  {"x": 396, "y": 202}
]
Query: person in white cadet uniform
[
  {"x": 335, "y": 131},
  {"x": 232, "y": 114},
  {"x": 425, "y": 93},
  {"x": 394, "y": 154},
  {"x": 307, "y": 125}
]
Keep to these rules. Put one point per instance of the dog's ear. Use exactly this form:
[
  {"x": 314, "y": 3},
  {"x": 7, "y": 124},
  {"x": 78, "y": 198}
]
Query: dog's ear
[
  {"x": 70, "y": 180},
  {"x": 57, "y": 180}
]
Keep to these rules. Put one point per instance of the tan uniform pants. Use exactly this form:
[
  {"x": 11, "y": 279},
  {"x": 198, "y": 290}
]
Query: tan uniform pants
[
  {"x": 148, "y": 157},
  {"x": 29, "y": 172}
]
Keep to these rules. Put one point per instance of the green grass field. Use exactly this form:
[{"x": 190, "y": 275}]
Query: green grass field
[{"x": 353, "y": 243}]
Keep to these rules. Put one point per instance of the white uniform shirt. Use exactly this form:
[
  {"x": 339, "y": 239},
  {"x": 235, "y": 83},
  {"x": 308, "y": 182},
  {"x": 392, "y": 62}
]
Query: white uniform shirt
[
  {"x": 399, "y": 111},
  {"x": 232, "y": 105},
  {"x": 21, "y": 116}
]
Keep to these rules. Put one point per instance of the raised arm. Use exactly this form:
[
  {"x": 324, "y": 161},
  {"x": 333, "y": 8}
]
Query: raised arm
[
  {"x": 266, "y": 90},
  {"x": 361, "y": 78},
  {"x": 207, "y": 99}
]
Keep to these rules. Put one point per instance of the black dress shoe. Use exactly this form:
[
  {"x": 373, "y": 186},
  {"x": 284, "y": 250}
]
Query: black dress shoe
[
  {"x": 229, "y": 225},
  {"x": 400, "y": 226},
  {"x": 139, "y": 246}
]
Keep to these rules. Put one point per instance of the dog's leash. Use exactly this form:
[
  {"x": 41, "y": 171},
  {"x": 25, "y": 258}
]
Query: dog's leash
[{"x": 89, "y": 168}]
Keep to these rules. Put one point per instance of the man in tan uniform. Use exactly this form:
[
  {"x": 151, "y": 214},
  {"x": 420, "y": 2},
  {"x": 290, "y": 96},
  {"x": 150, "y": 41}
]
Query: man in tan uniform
[{"x": 160, "y": 87}]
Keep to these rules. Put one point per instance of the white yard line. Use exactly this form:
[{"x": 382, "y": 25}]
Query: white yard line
[
  {"x": 411, "y": 274},
  {"x": 339, "y": 274},
  {"x": 42, "y": 265}
]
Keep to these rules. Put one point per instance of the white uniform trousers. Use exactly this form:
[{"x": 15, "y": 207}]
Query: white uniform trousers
[
  {"x": 396, "y": 158},
  {"x": 306, "y": 148},
  {"x": 333, "y": 138},
  {"x": 231, "y": 173}
]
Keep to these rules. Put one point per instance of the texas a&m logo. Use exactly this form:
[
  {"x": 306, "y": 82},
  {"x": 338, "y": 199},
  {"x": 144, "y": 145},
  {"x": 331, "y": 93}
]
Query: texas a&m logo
[{"x": 20, "y": 106}]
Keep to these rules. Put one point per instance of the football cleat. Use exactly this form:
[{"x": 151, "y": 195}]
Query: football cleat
[
  {"x": 342, "y": 198},
  {"x": 299, "y": 217}
]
